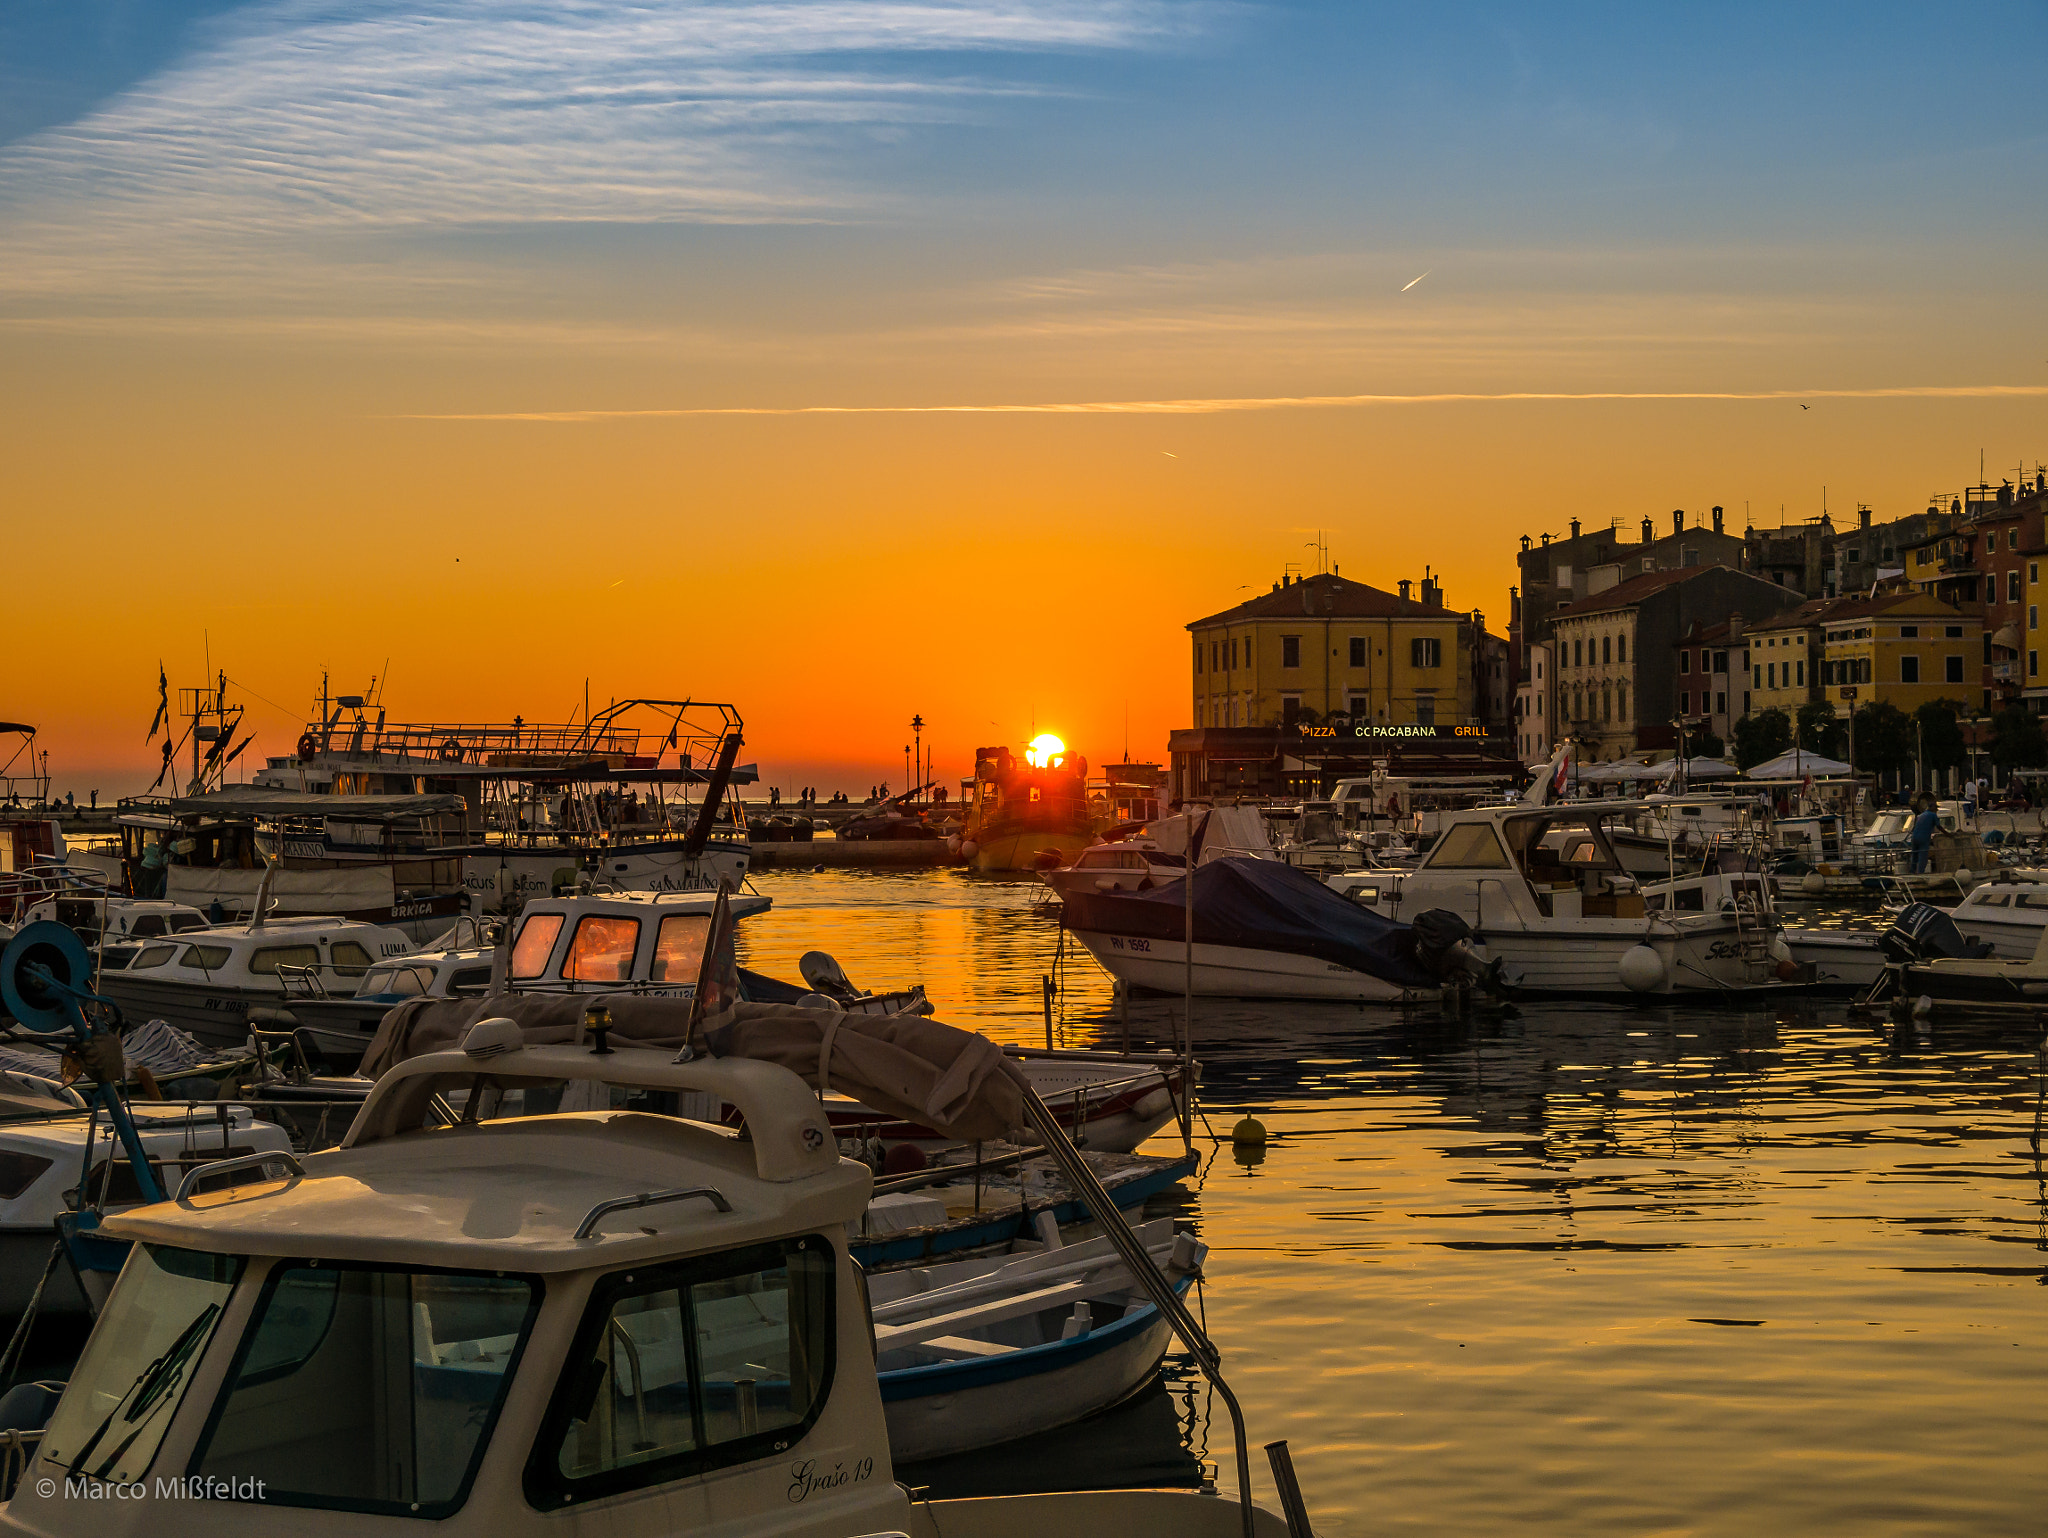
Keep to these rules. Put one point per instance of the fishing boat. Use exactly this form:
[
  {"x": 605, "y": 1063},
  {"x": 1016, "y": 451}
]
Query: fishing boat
[
  {"x": 517, "y": 1318},
  {"x": 1027, "y": 816},
  {"x": 1264, "y": 930},
  {"x": 2009, "y": 912}
]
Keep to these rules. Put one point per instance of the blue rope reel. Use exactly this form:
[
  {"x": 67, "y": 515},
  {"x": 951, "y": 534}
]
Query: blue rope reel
[{"x": 45, "y": 973}]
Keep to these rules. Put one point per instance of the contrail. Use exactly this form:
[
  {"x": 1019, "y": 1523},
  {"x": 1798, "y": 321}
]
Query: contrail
[
  {"x": 1203, "y": 407},
  {"x": 1413, "y": 281}
]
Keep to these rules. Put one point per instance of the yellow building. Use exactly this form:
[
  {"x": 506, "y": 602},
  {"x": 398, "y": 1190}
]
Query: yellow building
[
  {"x": 1786, "y": 659},
  {"x": 1328, "y": 647},
  {"x": 1904, "y": 649}
]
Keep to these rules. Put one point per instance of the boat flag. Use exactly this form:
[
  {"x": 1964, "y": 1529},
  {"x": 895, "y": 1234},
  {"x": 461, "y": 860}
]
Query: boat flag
[
  {"x": 163, "y": 703},
  {"x": 718, "y": 976},
  {"x": 1564, "y": 763}
]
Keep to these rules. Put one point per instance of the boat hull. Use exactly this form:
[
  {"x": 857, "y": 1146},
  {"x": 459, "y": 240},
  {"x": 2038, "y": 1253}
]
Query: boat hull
[
  {"x": 24, "y": 1252},
  {"x": 1233, "y": 972},
  {"x": 1000, "y": 851},
  {"x": 216, "y": 1017},
  {"x": 956, "y": 1407}
]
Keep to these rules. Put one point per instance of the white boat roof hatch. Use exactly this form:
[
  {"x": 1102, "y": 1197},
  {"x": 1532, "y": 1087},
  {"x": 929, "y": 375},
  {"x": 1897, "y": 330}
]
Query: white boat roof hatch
[{"x": 512, "y": 1195}]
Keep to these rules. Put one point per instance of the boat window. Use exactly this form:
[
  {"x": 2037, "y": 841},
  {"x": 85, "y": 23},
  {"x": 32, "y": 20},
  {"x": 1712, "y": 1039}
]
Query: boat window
[
  {"x": 148, "y": 925},
  {"x": 138, "y": 1361},
  {"x": 536, "y": 941},
  {"x": 471, "y": 982},
  {"x": 346, "y": 953},
  {"x": 2030, "y": 900},
  {"x": 1468, "y": 846},
  {"x": 601, "y": 950},
  {"x": 682, "y": 1368},
  {"x": 1092, "y": 858},
  {"x": 208, "y": 958},
  {"x": 180, "y": 922},
  {"x": 153, "y": 956},
  {"x": 368, "y": 1389},
  {"x": 406, "y": 982},
  {"x": 19, "y": 1171},
  {"x": 679, "y": 947},
  {"x": 2000, "y": 901},
  {"x": 271, "y": 957}
]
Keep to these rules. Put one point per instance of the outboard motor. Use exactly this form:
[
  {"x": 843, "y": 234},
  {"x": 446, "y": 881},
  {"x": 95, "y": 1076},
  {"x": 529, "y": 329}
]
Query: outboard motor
[
  {"x": 1923, "y": 932},
  {"x": 826, "y": 976},
  {"x": 1447, "y": 946}
]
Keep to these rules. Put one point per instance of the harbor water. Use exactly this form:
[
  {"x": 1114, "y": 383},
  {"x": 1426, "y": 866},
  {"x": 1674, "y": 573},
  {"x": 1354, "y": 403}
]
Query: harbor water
[{"x": 1751, "y": 1269}]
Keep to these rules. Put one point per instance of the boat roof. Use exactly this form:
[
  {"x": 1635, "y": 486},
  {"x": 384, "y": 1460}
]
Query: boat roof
[
  {"x": 742, "y": 904},
  {"x": 511, "y": 1195},
  {"x": 268, "y": 801}
]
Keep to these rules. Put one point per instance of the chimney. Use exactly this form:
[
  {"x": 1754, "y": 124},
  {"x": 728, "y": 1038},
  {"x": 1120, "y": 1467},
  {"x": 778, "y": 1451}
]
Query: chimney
[
  {"x": 1649, "y": 531},
  {"x": 1677, "y": 520},
  {"x": 1717, "y": 520},
  {"x": 1432, "y": 595},
  {"x": 1575, "y": 528},
  {"x": 1404, "y": 588},
  {"x": 1862, "y": 517}
]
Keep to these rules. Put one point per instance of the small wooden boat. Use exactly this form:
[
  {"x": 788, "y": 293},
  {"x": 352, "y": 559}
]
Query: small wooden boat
[{"x": 980, "y": 1352}]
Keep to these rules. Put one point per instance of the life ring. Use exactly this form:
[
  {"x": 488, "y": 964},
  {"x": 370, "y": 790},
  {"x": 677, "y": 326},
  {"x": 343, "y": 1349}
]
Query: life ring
[
  {"x": 451, "y": 752},
  {"x": 308, "y": 746}
]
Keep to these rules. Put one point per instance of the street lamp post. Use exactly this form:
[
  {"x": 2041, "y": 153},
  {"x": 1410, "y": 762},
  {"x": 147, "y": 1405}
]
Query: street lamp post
[{"x": 917, "y": 752}]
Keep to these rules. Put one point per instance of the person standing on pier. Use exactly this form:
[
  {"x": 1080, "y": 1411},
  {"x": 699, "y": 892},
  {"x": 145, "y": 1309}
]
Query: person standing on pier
[{"x": 1925, "y": 821}]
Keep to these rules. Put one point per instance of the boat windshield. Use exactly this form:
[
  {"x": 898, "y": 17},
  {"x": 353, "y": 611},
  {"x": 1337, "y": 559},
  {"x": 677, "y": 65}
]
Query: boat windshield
[
  {"x": 138, "y": 1361},
  {"x": 368, "y": 1389}
]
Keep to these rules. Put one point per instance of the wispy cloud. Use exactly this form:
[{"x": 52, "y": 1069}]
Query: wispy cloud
[
  {"x": 305, "y": 126},
  {"x": 1213, "y": 405}
]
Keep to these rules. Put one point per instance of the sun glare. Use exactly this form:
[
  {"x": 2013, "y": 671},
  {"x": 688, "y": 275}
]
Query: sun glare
[{"x": 1044, "y": 749}]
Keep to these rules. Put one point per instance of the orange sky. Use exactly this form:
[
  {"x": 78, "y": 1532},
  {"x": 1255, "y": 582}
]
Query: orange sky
[{"x": 242, "y": 388}]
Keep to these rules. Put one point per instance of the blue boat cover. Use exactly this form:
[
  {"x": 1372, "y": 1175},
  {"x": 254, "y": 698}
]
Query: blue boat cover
[{"x": 1264, "y": 905}]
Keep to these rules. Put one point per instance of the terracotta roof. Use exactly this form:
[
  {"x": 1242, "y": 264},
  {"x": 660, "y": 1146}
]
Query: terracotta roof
[
  {"x": 1328, "y": 596},
  {"x": 1635, "y": 590},
  {"x": 1863, "y": 608}
]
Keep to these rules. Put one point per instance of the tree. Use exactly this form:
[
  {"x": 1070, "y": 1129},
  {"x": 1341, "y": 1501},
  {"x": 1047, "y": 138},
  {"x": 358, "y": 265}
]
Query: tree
[
  {"x": 2016, "y": 740},
  {"x": 1704, "y": 744},
  {"x": 1761, "y": 737},
  {"x": 1884, "y": 739},
  {"x": 1941, "y": 735},
  {"x": 1821, "y": 730}
]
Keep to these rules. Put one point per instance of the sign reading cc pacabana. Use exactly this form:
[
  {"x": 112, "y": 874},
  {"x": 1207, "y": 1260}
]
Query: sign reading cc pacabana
[{"x": 1345, "y": 731}]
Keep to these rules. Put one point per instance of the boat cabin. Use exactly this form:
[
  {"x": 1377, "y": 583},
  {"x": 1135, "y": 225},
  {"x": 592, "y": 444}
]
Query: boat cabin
[
  {"x": 324, "y": 955},
  {"x": 642, "y": 942}
]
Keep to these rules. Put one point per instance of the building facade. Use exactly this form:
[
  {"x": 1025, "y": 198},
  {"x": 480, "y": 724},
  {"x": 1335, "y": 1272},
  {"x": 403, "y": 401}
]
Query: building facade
[
  {"x": 1906, "y": 649},
  {"x": 1324, "y": 648},
  {"x": 1532, "y": 714},
  {"x": 1614, "y": 692},
  {"x": 1711, "y": 678}
]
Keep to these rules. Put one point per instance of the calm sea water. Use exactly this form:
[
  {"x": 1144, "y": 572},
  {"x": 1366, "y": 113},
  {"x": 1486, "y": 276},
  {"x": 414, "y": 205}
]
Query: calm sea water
[{"x": 1581, "y": 1269}]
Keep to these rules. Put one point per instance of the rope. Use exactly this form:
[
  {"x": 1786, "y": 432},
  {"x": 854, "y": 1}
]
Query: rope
[{"x": 19, "y": 1343}]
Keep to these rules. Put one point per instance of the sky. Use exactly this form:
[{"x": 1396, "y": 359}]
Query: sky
[{"x": 856, "y": 361}]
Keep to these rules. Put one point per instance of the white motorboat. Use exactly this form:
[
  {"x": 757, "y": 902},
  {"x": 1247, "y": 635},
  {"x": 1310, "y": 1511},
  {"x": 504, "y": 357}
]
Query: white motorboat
[
  {"x": 2009, "y": 912},
  {"x": 508, "y": 1322},
  {"x": 206, "y": 981},
  {"x": 47, "y": 1159},
  {"x": 1127, "y": 865},
  {"x": 1543, "y": 888}
]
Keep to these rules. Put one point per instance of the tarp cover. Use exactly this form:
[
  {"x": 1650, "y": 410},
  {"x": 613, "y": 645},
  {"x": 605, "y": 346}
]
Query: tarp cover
[
  {"x": 956, "y": 1082},
  {"x": 1260, "y": 905}
]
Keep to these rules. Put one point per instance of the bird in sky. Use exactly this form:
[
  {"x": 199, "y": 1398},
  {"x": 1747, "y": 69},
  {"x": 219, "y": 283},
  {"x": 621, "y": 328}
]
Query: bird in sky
[
  {"x": 1415, "y": 280},
  {"x": 1804, "y": 407}
]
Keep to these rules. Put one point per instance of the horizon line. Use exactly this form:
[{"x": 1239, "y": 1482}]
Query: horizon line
[{"x": 1206, "y": 406}]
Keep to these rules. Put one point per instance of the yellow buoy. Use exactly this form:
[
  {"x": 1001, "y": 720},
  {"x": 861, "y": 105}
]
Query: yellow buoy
[{"x": 1250, "y": 1132}]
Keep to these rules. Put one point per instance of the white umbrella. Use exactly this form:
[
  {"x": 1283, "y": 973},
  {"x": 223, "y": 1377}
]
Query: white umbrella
[
  {"x": 1702, "y": 769},
  {"x": 1797, "y": 765}
]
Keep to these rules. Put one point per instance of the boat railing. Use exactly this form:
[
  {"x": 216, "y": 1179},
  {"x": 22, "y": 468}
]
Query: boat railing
[{"x": 17, "y": 1451}]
